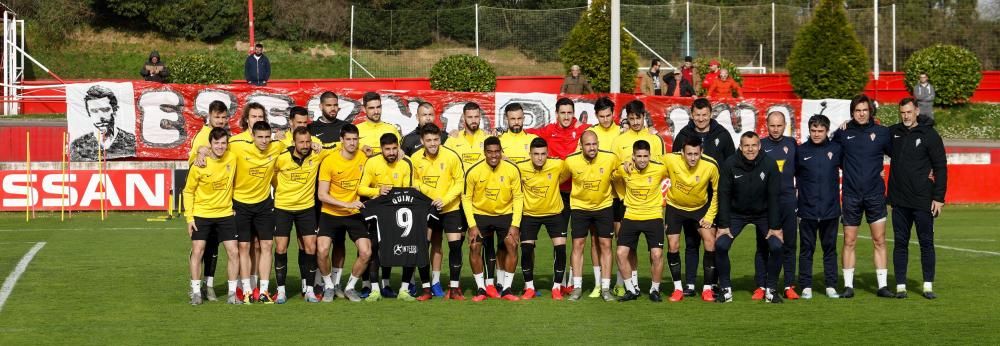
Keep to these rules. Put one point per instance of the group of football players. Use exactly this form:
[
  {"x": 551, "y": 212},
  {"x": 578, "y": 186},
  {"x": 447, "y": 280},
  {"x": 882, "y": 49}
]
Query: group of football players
[{"x": 493, "y": 190}]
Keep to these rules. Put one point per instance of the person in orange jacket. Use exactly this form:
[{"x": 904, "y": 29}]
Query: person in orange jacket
[{"x": 724, "y": 86}]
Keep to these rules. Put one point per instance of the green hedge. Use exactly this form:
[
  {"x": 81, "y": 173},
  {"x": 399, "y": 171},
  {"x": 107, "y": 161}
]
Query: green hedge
[
  {"x": 198, "y": 69},
  {"x": 954, "y": 72},
  {"x": 463, "y": 72},
  {"x": 827, "y": 60}
]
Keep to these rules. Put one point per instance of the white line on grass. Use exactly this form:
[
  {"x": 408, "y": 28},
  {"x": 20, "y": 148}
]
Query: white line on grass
[
  {"x": 8, "y": 285},
  {"x": 947, "y": 247}
]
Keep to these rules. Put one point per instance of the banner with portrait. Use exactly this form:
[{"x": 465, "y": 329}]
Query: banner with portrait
[{"x": 152, "y": 121}]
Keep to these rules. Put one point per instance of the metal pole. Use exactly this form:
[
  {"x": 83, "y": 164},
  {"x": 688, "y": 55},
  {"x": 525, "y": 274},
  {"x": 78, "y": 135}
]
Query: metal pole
[
  {"x": 773, "y": 41},
  {"x": 875, "y": 55},
  {"x": 616, "y": 47},
  {"x": 720, "y": 30},
  {"x": 687, "y": 26},
  {"x": 351, "y": 54},
  {"x": 250, "y": 15},
  {"x": 893, "y": 37},
  {"x": 477, "y": 29},
  {"x": 6, "y": 67}
]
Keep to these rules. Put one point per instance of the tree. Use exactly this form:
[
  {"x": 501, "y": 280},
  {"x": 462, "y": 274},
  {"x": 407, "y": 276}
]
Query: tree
[
  {"x": 828, "y": 60},
  {"x": 588, "y": 45}
]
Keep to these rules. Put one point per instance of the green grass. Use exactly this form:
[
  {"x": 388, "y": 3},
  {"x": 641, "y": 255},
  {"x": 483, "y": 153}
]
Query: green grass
[
  {"x": 969, "y": 121},
  {"x": 125, "y": 281}
]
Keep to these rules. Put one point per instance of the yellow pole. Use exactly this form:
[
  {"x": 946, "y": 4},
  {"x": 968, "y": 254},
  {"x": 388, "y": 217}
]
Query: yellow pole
[
  {"x": 27, "y": 163},
  {"x": 62, "y": 166},
  {"x": 100, "y": 169}
]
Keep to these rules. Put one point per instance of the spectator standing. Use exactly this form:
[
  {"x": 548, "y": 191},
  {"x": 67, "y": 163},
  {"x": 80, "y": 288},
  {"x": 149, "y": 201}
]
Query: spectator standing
[
  {"x": 257, "y": 69},
  {"x": 711, "y": 76},
  {"x": 576, "y": 83},
  {"x": 651, "y": 79},
  {"x": 924, "y": 93}
]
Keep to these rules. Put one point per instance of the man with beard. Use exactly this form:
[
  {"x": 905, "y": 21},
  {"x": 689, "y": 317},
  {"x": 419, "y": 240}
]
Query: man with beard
[
  {"x": 327, "y": 128},
  {"x": 468, "y": 142},
  {"x": 257, "y": 68},
  {"x": 294, "y": 199},
  {"x": 373, "y": 127},
  {"x": 382, "y": 173},
  {"x": 515, "y": 141},
  {"x": 102, "y": 108},
  {"x": 413, "y": 140}
]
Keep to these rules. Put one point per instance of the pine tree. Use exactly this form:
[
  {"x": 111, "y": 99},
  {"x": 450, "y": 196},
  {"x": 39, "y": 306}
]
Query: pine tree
[
  {"x": 589, "y": 45},
  {"x": 828, "y": 60}
]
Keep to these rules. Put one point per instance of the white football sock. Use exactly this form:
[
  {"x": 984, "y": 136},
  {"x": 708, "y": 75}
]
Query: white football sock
[
  {"x": 209, "y": 281},
  {"x": 328, "y": 280},
  {"x": 303, "y": 285},
  {"x": 196, "y": 286},
  {"x": 489, "y": 282},
  {"x": 882, "y": 276},
  {"x": 635, "y": 274},
  {"x": 578, "y": 282},
  {"x": 901, "y": 288},
  {"x": 375, "y": 288},
  {"x": 453, "y": 283},
  {"x": 597, "y": 273},
  {"x": 529, "y": 284},
  {"x": 253, "y": 281},
  {"x": 385, "y": 282},
  {"x": 849, "y": 277},
  {"x": 501, "y": 277},
  {"x": 281, "y": 290},
  {"x": 654, "y": 287},
  {"x": 630, "y": 287},
  {"x": 635, "y": 280},
  {"x": 425, "y": 284},
  {"x": 246, "y": 286},
  {"x": 232, "y": 286},
  {"x": 336, "y": 274},
  {"x": 353, "y": 280},
  {"x": 479, "y": 281},
  {"x": 309, "y": 290},
  {"x": 928, "y": 286},
  {"x": 264, "y": 285},
  {"x": 508, "y": 280},
  {"x": 691, "y": 287},
  {"x": 605, "y": 284},
  {"x": 618, "y": 278},
  {"x": 435, "y": 277},
  {"x": 678, "y": 286},
  {"x": 404, "y": 287}
]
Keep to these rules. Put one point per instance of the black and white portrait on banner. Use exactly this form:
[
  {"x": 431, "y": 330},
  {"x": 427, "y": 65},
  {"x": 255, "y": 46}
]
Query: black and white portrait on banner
[{"x": 100, "y": 116}]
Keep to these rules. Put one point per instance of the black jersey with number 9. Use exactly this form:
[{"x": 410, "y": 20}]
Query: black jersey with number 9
[{"x": 401, "y": 224}]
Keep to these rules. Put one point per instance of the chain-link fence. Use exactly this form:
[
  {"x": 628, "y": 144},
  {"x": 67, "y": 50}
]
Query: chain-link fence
[{"x": 406, "y": 43}]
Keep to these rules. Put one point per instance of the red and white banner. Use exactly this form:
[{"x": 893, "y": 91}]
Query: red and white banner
[
  {"x": 128, "y": 189},
  {"x": 167, "y": 116}
]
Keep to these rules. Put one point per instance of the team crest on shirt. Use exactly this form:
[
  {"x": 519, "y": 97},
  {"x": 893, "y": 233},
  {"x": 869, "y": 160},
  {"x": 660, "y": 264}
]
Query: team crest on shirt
[
  {"x": 395, "y": 176},
  {"x": 829, "y": 155},
  {"x": 918, "y": 142},
  {"x": 649, "y": 180},
  {"x": 786, "y": 149},
  {"x": 872, "y": 136},
  {"x": 697, "y": 178},
  {"x": 442, "y": 166},
  {"x": 716, "y": 142},
  {"x": 501, "y": 178},
  {"x": 550, "y": 176},
  {"x": 602, "y": 170},
  {"x": 762, "y": 175}
]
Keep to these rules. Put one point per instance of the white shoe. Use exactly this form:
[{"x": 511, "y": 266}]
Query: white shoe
[
  {"x": 832, "y": 293},
  {"x": 807, "y": 293}
]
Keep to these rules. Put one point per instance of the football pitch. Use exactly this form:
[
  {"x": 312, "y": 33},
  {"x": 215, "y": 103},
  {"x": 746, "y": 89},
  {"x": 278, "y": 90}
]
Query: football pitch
[{"x": 125, "y": 281}]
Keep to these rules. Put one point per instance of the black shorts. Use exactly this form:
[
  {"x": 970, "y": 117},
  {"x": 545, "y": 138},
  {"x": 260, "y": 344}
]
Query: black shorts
[
  {"x": 676, "y": 219},
  {"x": 303, "y": 220},
  {"x": 223, "y": 227},
  {"x": 619, "y": 208},
  {"x": 450, "y": 222},
  {"x": 494, "y": 224},
  {"x": 254, "y": 218},
  {"x": 631, "y": 229},
  {"x": 873, "y": 207},
  {"x": 530, "y": 225},
  {"x": 336, "y": 227},
  {"x": 602, "y": 221}
]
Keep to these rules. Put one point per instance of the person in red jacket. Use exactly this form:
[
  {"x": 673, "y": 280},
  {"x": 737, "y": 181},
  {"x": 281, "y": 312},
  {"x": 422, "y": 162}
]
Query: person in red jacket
[
  {"x": 711, "y": 76},
  {"x": 563, "y": 137},
  {"x": 724, "y": 87}
]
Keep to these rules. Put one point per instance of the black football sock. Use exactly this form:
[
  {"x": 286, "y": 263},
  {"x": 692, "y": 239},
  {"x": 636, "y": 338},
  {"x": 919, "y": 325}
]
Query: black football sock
[
  {"x": 425, "y": 274},
  {"x": 559, "y": 268},
  {"x": 210, "y": 257},
  {"x": 490, "y": 253},
  {"x": 674, "y": 262},
  {"x": 455, "y": 259},
  {"x": 310, "y": 266},
  {"x": 527, "y": 261},
  {"x": 711, "y": 277},
  {"x": 303, "y": 270},
  {"x": 280, "y": 267}
]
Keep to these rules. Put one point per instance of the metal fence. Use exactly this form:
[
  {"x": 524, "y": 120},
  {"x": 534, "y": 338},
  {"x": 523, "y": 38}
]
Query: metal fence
[{"x": 407, "y": 43}]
